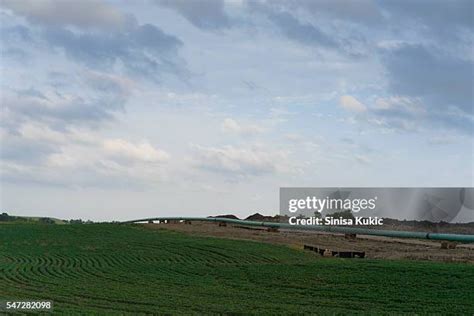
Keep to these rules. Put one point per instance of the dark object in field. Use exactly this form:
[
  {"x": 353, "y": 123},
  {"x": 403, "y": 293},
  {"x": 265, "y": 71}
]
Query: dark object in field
[
  {"x": 448, "y": 245},
  {"x": 332, "y": 253},
  {"x": 248, "y": 227},
  {"x": 223, "y": 224},
  {"x": 272, "y": 230},
  {"x": 350, "y": 236}
]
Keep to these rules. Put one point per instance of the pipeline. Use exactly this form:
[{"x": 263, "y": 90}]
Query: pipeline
[{"x": 330, "y": 229}]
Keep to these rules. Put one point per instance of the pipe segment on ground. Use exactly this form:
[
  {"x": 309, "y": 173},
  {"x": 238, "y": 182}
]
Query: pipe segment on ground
[{"x": 330, "y": 229}]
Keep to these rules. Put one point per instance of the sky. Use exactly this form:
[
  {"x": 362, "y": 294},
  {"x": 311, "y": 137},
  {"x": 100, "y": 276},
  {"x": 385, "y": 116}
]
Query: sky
[{"x": 115, "y": 110}]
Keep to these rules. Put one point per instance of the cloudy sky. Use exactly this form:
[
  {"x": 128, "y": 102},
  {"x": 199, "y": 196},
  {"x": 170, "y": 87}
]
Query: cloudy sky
[{"x": 125, "y": 109}]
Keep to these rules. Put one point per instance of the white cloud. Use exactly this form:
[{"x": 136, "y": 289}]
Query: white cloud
[
  {"x": 110, "y": 83},
  {"x": 140, "y": 152},
  {"x": 412, "y": 105},
  {"x": 383, "y": 104},
  {"x": 363, "y": 159},
  {"x": 352, "y": 104},
  {"x": 442, "y": 140},
  {"x": 64, "y": 160},
  {"x": 40, "y": 132},
  {"x": 39, "y": 154},
  {"x": 83, "y": 14},
  {"x": 204, "y": 14},
  {"x": 238, "y": 161},
  {"x": 106, "y": 152},
  {"x": 232, "y": 126},
  {"x": 44, "y": 134},
  {"x": 63, "y": 107}
]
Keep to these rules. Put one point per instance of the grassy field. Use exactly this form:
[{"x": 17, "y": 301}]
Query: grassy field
[{"x": 100, "y": 268}]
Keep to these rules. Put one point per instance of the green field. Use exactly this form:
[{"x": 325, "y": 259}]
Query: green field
[{"x": 99, "y": 268}]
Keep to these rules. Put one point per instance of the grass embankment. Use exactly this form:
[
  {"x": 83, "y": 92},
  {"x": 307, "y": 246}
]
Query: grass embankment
[{"x": 100, "y": 268}]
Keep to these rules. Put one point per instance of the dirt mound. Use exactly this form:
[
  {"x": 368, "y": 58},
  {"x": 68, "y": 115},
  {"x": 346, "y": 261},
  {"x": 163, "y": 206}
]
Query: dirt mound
[
  {"x": 262, "y": 218},
  {"x": 257, "y": 217}
]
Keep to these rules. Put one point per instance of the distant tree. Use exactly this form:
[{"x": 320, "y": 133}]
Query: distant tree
[
  {"x": 76, "y": 221},
  {"x": 4, "y": 217},
  {"x": 46, "y": 220}
]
